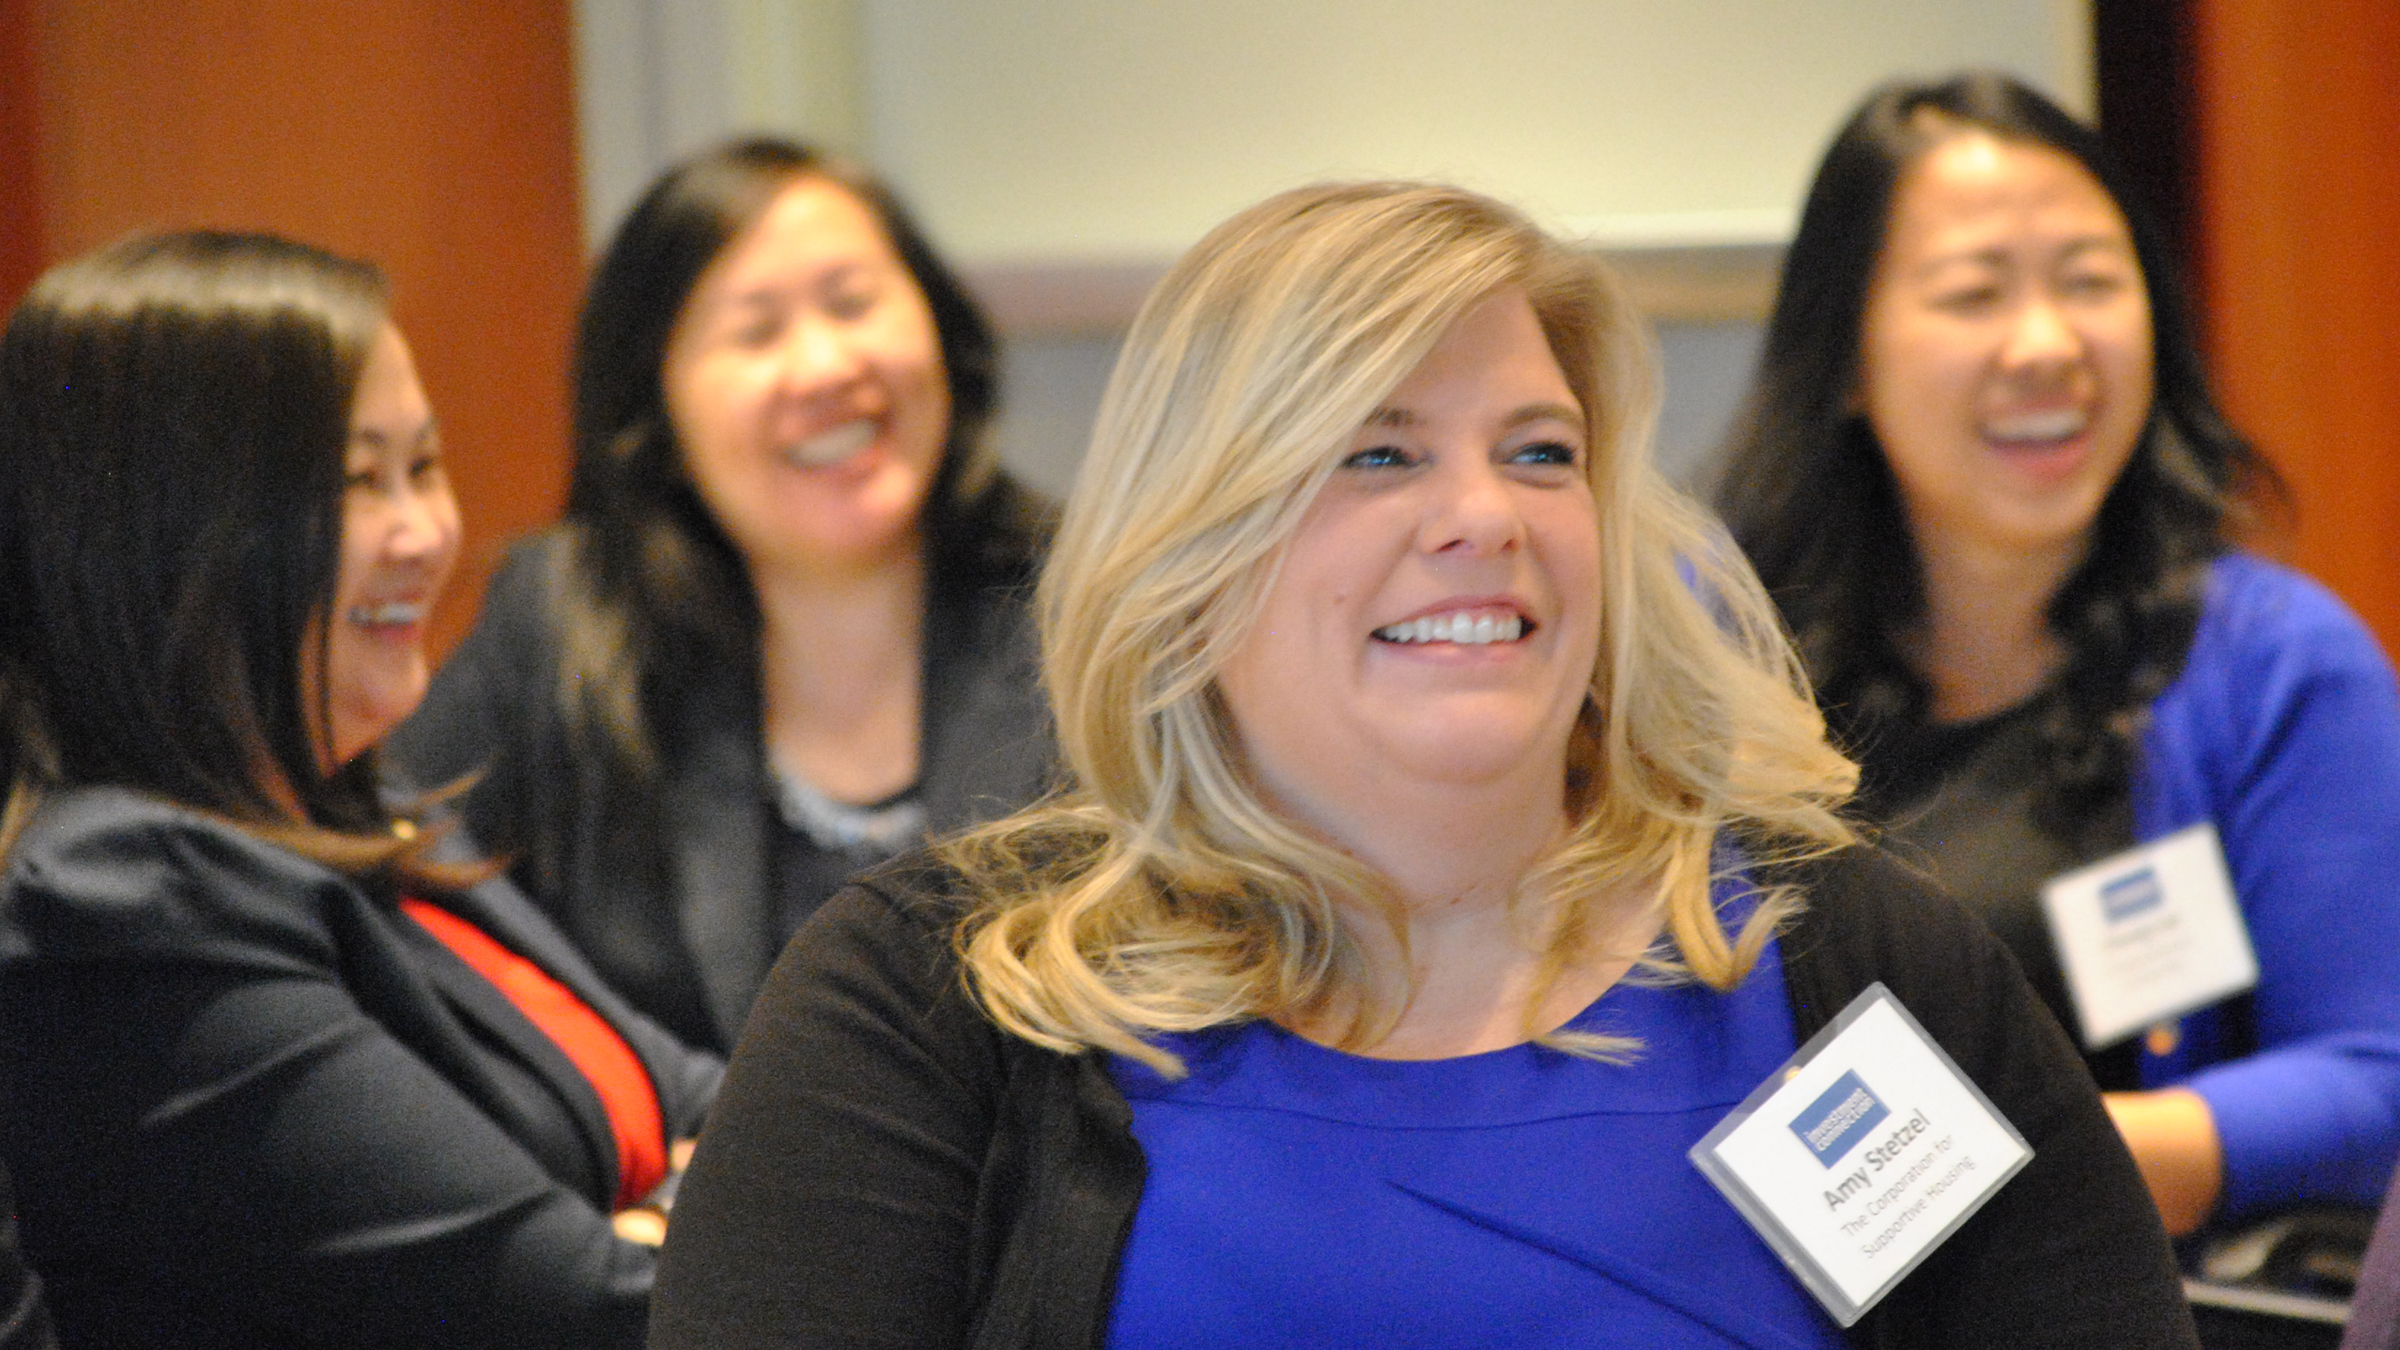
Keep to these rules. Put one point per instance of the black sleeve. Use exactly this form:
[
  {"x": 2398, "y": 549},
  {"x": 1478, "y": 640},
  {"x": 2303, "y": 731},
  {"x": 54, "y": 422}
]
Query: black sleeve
[
  {"x": 834, "y": 1197},
  {"x": 686, "y": 1079},
  {"x": 24, "y": 1317},
  {"x": 2070, "y": 1252},
  {"x": 215, "y": 1143}
]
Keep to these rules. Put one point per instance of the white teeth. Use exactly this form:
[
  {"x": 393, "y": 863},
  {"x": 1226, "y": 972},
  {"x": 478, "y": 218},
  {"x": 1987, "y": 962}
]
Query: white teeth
[
  {"x": 832, "y": 447},
  {"x": 1467, "y": 630},
  {"x": 378, "y": 615},
  {"x": 2042, "y": 426}
]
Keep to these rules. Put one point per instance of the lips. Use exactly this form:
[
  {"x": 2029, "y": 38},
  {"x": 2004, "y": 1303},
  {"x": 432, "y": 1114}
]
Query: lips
[
  {"x": 832, "y": 446},
  {"x": 390, "y": 614},
  {"x": 1476, "y": 626},
  {"x": 2044, "y": 426}
]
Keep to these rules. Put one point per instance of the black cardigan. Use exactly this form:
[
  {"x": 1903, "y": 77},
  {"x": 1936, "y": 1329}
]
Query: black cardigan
[
  {"x": 250, "y": 1103},
  {"x": 664, "y": 882},
  {"x": 887, "y": 1168}
]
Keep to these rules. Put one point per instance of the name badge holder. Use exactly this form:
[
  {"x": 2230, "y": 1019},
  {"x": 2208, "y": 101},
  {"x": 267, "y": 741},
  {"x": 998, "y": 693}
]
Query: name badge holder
[
  {"x": 2149, "y": 934},
  {"x": 1862, "y": 1155}
]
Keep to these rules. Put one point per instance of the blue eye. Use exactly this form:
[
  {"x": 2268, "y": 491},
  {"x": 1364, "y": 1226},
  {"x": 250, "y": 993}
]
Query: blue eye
[
  {"x": 1377, "y": 457},
  {"x": 1558, "y": 453}
]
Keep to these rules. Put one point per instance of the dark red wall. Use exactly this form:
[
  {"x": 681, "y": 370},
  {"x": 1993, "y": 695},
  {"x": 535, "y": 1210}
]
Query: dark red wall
[
  {"x": 2298, "y": 184},
  {"x": 21, "y": 235},
  {"x": 436, "y": 138}
]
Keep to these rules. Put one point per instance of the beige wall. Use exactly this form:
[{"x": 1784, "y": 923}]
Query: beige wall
[
  {"x": 1099, "y": 128},
  {"x": 1106, "y": 130}
]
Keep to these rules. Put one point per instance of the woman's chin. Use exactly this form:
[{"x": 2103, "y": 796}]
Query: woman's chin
[
  {"x": 364, "y": 717},
  {"x": 1475, "y": 757}
]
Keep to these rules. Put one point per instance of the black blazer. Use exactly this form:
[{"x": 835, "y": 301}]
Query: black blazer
[
  {"x": 665, "y": 884},
  {"x": 249, "y": 1102},
  {"x": 24, "y": 1313}
]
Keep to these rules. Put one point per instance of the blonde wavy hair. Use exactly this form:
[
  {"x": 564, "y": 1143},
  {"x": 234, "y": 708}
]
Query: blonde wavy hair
[{"x": 1159, "y": 893}]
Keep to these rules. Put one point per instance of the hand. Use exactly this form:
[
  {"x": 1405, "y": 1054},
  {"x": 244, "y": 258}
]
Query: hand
[
  {"x": 640, "y": 1224},
  {"x": 646, "y": 1223},
  {"x": 2173, "y": 1139}
]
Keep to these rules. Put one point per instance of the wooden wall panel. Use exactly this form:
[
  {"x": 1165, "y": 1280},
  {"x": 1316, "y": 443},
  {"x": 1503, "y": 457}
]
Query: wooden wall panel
[
  {"x": 2299, "y": 184},
  {"x": 437, "y": 139},
  {"x": 21, "y": 232}
]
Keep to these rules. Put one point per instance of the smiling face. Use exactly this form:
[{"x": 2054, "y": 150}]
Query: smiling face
[
  {"x": 1437, "y": 614},
  {"x": 400, "y": 536},
  {"x": 2005, "y": 361},
  {"x": 805, "y": 382}
]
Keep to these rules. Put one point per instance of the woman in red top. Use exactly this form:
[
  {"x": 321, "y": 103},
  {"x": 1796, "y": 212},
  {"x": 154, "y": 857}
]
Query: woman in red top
[{"x": 277, "y": 1067}]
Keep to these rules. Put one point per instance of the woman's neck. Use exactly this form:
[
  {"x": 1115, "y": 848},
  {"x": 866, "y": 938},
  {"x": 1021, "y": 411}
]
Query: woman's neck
[
  {"x": 1985, "y": 643},
  {"x": 840, "y": 652},
  {"x": 1472, "y": 971}
]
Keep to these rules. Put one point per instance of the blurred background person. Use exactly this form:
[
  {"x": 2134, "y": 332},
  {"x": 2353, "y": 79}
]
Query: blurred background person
[
  {"x": 781, "y": 634},
  {"x": 274, "y": 1072},
  {"x": 1981, "y": 473},
  {"x": 1420, "y": 901}
]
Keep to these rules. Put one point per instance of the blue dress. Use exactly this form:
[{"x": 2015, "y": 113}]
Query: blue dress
[{"x": 1300, "y": 1196}]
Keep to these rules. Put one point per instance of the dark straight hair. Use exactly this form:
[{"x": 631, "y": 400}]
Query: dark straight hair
[
  {"x": 656, "y": 586},
  {"x": 1805, "y": 488},
  {"x": 174, "y": 415}
]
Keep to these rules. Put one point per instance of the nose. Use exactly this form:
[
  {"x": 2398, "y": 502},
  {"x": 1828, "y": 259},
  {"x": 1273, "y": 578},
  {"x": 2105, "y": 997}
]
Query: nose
[
  {"x": 1470, "y": 511},
  {"x": 819, "y": 355},
  {"x": 2041, "y": 338},
  {"x": 424, "y": 525}
]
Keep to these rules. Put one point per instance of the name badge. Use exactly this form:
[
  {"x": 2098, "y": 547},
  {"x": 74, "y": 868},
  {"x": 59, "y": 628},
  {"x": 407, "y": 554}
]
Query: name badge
[
  {"x": 2149, "y": 934},
  {"x": 1862, "y": 1155}
]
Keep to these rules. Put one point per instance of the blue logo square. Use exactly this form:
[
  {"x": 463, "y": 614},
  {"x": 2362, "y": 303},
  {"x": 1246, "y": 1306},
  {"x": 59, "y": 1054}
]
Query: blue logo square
[
  {"x": 1840, "y": 1117},
  {"x": 2131, "y": 894}
]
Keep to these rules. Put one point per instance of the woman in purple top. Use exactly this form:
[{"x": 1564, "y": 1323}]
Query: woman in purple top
[{"x": 1982, "y": 475}]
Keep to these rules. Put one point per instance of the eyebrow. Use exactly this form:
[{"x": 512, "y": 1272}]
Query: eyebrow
[
  {"x": 774, "y": 291},
  {"x": 1997, "y": 257},
  {"x": 1400, "y": 418},
  {"x": 374, "y": 439}
]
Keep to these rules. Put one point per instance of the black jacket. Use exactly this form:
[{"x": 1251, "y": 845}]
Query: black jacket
[
  {"x": 888, "y": 1168},
  {"x": 664, "y": 884},
  {"x": 250, "y": 1103},
  {"x": 24, "y": 1313}
]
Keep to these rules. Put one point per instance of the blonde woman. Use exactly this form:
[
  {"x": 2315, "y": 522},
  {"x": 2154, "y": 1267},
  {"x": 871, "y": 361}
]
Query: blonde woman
[{"x": 1452, "y": 845}]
